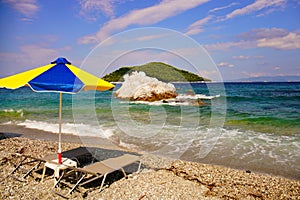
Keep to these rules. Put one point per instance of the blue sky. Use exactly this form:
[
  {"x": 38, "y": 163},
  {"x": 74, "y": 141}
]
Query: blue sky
[{"x": 249, "y": 38}]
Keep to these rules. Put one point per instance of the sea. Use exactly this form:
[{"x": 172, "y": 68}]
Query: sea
[{"x": 248, "y": 126}]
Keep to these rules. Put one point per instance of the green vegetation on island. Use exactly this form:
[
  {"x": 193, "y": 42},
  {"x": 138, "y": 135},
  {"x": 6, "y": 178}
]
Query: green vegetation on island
[{"x": 159, "y": 70}]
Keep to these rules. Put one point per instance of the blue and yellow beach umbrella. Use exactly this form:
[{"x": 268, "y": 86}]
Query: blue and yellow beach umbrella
[{"x": 59, "y": 76}]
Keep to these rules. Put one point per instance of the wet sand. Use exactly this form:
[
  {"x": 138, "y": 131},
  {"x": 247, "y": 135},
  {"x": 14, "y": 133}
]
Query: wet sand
[{"x": 21, "y": 131}]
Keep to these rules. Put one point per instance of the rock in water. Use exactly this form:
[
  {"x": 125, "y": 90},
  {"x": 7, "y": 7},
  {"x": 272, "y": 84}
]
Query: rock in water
[{"x": 139, "y": 87}]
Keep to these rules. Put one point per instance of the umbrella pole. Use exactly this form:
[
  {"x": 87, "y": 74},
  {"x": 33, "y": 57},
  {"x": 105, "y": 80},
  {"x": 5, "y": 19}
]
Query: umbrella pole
[{"x": 59, "y": 133}]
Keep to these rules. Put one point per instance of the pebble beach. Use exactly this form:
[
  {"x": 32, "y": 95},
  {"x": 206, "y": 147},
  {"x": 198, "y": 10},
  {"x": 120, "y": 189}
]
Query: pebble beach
[
  {"x": 160, "y": 178},
  {"x": 150, "y": 100}
]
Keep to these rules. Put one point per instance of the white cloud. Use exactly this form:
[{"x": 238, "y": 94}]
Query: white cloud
[
  {"x": 223, "y": 46},
  {"x": 290, "y": 41},
  {"x": 210, "y": 74},
  {"x": 196, "y": 27},
  {"x": 258, "y": 57},
  {"x": 26, "y": 7},
  {"x": 140, "y": 57},
  {"x": 260, "y": 33},
  {"x": 276, "y": 68},
  {"x": 90, "y": 9},
  {"x": 255, "y": 74},
  {"x": 89, "y": 39},
  {"x": 258, "y": 5},
  {"x": 37, "y": 53},
  {"x": 224, "y": 7},
  {"x": 262, "y": 63},
  {"x": 150, "y": 37},
  {"x": 225, "y": 64},
  {"x": 273, "y": 38},
  {"x": 145, "y": 16},
  {"x": 241, "y": 57},
  {"x": 29, "y": 57}
]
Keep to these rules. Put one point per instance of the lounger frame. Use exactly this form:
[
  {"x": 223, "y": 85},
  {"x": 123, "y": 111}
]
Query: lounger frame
[{"x": 101, "y": 169}]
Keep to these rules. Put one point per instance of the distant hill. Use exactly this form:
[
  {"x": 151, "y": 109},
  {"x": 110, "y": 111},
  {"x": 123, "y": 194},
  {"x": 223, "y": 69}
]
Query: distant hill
[
  {"x": 270, "y": 79},
  {"x": 159, "y": 70}
]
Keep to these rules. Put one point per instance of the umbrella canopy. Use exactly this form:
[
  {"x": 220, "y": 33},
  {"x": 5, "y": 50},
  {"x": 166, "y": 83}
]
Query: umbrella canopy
[{"x": 59, "y": 76}]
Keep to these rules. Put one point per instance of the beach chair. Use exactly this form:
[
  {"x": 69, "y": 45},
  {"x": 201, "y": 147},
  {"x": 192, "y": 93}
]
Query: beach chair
[
  {"x": 101, "y": 169},
  {"x": 26, "y": 164},
  {"x": 27, "y": 161}
]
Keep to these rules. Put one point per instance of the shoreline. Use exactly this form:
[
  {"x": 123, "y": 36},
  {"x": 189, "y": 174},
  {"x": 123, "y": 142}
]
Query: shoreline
[
  {"x": 159, "y": 178},
  {"x": 21, "y": 131},
  {"x": 14, "y": 130}
]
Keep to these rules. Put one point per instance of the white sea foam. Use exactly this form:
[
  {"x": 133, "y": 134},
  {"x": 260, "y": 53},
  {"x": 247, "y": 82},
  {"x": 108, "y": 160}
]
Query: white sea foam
[
  {"x": 195, "y": 97},
  {"x": 127, "y": 145},
  {"x": 139, "y": 86},
  {"x": 69, "y": 128},
  {"x": 180, "y": 100},
  {"x": 231, "y": 147},
  {"x": 14, "y": 111},
  {"x": 239, "y": 148},
  {"x": 242, "y": 145},
  {"x": 170, "y": 102},
  {"x": 261, "y": 149}
]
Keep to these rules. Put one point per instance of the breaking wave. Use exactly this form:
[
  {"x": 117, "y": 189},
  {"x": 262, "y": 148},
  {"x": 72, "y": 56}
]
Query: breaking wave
[{"x": 69, "y": 128}]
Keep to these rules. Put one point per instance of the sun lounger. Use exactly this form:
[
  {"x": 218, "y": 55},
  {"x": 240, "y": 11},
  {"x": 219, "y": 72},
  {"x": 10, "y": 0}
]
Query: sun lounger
[
  {"x": 101, "y": 169},
  {"x": 28, "y": 160}
]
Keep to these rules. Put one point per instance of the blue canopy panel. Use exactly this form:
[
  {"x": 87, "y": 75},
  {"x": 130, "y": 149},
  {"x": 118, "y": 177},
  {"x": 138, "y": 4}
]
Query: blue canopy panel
[
  {"x": 58, "y": 78},
  {"x": 61, "y": 61}
]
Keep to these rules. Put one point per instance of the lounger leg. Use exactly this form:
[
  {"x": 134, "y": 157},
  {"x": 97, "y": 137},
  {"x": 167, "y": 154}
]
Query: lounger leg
[
  {"x": 77, "y": 184},
  {"x": 102, "y": 182},
  {"x": 38, "y": 165},
  {"x": 140, "y": 164},
  {"x": 125, "y": 175},
  {"x": 44, "y": 171},
  {"x": 35, "y": 167},
  {"x": 17, "y": 167},
  {"x": 57, "y": 180}
]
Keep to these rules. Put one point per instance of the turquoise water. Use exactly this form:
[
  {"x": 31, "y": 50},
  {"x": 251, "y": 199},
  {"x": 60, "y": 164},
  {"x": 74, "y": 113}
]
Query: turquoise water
[{"x": 252, "y": 126}]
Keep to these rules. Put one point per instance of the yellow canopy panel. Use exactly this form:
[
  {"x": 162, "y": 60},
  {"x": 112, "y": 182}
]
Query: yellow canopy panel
[
  {"x": 21, "y": 79},
  {"x": 90, "y": 81}
]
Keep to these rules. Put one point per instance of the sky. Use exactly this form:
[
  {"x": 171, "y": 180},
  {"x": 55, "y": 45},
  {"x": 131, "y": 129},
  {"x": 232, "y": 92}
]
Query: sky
[{"x": 240, "y": 39}]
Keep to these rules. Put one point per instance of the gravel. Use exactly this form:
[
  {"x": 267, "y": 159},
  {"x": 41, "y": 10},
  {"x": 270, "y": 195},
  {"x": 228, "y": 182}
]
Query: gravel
[{"x": 160, "y": 178}]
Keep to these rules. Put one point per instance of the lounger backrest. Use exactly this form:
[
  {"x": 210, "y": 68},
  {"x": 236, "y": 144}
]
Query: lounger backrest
[
  {"x": 80, "y": 151},
  {"x": 72, "y": 153}
]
